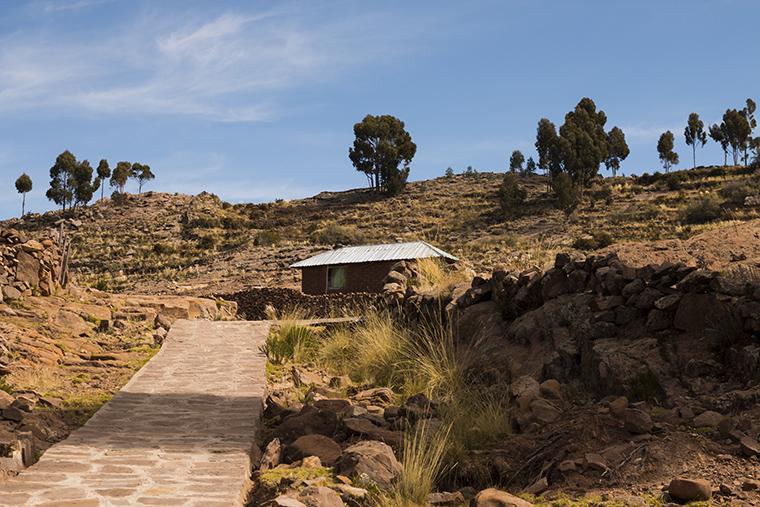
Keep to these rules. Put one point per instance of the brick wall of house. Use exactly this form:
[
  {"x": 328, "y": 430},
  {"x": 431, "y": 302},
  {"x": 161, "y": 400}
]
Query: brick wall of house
[{"x": 366, "y": 277}]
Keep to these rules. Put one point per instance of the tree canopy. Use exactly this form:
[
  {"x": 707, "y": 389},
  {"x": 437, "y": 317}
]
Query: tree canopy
[
  {"x": 581, "y": 144},
  {"x": 104, "y": 172},
  {"x": 668, "y": 157},
  {"x": 71, "y": 182},
  {"x": 382, "y": 150},
  {"x": 516, "y": 162},
  {"x": 142, "y": 173},
  {"x": 695, "y": 134},
  {"x": 120, "y": 175},
  {"x": 23, "y": 185}
]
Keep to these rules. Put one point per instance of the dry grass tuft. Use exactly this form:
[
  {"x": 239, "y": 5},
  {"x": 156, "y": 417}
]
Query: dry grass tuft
[{"x": 434, "y": 275}]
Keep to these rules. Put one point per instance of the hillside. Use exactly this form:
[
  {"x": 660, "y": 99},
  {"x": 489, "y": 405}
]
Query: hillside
[{"x": 172, "y": 243}]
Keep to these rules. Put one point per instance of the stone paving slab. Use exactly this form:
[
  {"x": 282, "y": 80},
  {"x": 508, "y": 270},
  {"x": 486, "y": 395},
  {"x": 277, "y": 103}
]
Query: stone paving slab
[{"x": 179, "y": 433}]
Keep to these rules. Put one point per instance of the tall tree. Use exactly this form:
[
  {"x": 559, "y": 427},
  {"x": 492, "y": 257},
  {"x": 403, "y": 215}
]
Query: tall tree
[
  {"x": 84, "y": 186},
  {"x": 120, "y": 175},
  {"x": 618, "y": 150},
  {"x": 516, "y": 162},
  {"x": 695, "y": 134},
  {"x": 23, "y": 185},
  {"x": 738, "y": 131},
  {"x": 581, "y": 145},
  {"x": 143, "y": 174},
  {"x": 668, "y": 157},
  {"x": 530, "y": 166},
  {"x": 62, "y": 183},
  {"x": 382, "y": 150},
  {"x": 104, "y": 172},
  {"x": 749, "y": 114},
  {"x": 719, "y": 135}
]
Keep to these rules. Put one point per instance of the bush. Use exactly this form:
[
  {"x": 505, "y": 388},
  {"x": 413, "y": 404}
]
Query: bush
[
  {"x": 207, "y": 242},
  {"x": 568, "y": 196},
  {"x": 597, "y": 240},
  {"x": 702, "y": 210},
  {"x": 511, "y": 195},
  {"x": 736, "y": 192},
  {"x": 290, "y": 339},
  {"x": 163, "y": 249},
  {"x": 601, "y": 194},
  {"x": 435, "y": 275},
  {"x": 268, "y": 237},
  {"x": 673, "y": 181},
  {"x": 336, "y": 234}
]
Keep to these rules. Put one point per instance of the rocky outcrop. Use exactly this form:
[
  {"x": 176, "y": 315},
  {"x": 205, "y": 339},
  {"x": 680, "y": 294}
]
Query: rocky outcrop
[{"x": 28, "y": 266}]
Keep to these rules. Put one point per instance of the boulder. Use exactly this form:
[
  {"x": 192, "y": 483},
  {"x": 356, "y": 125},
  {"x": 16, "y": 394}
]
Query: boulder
[
  {"x": 272, "y": 455},
  {"x": 325, "y": 448},
  {"x": 708, "y": 419},
  {"x": 493, "y": 497},
  {"x": 5, "y": 400},
  {"x": 749, "y": 446},
  {"x": 308, "y": 421},
  {"x": 11, "y": 293},
  {"x": 373, "y": 458},
  {"x": 689, "y": 490},
  {"x": 320, "y": 496},
  {"x": 637, "y": 421},
  {"x": 446, "y": 498},
  {"x": 544, "y": 411},
  {"x": 27, "y": 269},
  {"x": 554, "y": 283}
]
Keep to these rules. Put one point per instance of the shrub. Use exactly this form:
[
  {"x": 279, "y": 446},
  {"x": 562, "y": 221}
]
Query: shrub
[
  {"x": 267, "y": 237},
  {"x": 567, "y": 194},
  {"x": 207, "y": 242},
  {"x": 511, "y": 195},
  {"x": 673, "y": 181},
  {"x": 736, "y": 192},
  {"x": 598, "y": 239},
  {"x": 336, "y": 234},
  {"x": 163, "y": 249},
  {"x": 702, "y": 210},
  {"x": 601, "y": 194}
]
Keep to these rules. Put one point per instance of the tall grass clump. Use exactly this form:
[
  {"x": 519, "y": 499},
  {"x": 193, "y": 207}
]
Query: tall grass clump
[
  {"x": 290, "y": 339},
  {"x": 434, "y": 275},
  {"x": 423, "y": 455}
]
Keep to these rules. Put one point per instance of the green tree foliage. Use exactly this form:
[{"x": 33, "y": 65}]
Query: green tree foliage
[
  {"x": 449, "y": 172},
  {"x": 568, "y": 196},
  {"x": 382, "y": 150},
  {"x": 516, "y": 162},
  {"x": 749, "y": 114},
  {"x": 530, "y": 166},
  {"x": 581, "y": 145},
  {"x": 143, "y": 174},
  {"x": 511, "y": 195},
  {"x": 719, "y": 135},
  {"x": 23, "y": 185},
  {"x": 668, "y": 157},
  {"x": 84, "y": 184},
  {"x": 617, "y": 150},
  {"x": 104, "y": 172},
  {"x": 120, "y": 175},
  {"x": 62, "y": 183},
  {"x": 695, "y": 134},
  {"x": 738, "y": 132}
]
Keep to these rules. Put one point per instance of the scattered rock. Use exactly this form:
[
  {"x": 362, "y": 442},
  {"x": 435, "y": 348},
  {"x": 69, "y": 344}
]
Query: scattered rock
[
  {"x": 689, "y": 490},
  {"x": 596, "y": 462},
  {"x": 708, "y": 419},
  {"x": 455, "y": 498},
  {"x": 325, "y": 448},
  {"x": 373, "y": 458},
  {"x": 637, "y": 421},
  {"x": 749, "y": 446},
  {"x": 492, "y": 497},
  {"x": 538, "y": 487},
  {"x": 272, "y": 455}
]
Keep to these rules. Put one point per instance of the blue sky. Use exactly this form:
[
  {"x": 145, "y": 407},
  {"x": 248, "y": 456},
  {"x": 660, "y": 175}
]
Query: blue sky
[{"x": 256, "y": 100}]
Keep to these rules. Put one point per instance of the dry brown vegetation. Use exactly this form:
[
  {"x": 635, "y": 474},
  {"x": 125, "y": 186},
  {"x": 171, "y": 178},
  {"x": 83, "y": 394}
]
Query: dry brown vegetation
[{"x": 163, "y": 243}]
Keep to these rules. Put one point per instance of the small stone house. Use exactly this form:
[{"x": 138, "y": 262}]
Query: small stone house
[{"x": 360, "y": 268}]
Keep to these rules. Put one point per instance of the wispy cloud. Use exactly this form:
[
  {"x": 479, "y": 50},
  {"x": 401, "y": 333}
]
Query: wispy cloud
[
  {"x": 644, "y": 132},
  {"x": 233, "y": 67},
  {"x": 62, "y": 6}
]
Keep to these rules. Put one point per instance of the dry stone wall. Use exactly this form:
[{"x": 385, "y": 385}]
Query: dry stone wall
[
  {"x": 28, "y": 266},
  {"x": 253, "y": 303}
]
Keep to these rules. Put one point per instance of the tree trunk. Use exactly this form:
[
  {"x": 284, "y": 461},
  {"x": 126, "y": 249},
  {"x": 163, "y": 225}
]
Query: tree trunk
[
  {"x": 694, "y": 154},
  {"x": 23, "y": 204}
]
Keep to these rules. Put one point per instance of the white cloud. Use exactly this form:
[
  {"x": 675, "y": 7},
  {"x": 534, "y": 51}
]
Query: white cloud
[
  {"x": 643, "y": 132},
  {"x": 61, "y": 6},
  {"x": 232, "y": 68}
]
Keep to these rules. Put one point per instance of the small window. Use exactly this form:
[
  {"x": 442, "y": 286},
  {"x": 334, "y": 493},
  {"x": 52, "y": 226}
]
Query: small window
[{"x": 336, "y": 278}]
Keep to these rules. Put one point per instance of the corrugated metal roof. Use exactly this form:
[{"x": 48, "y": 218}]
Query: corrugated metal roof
[{"x": 374, "y": 253}]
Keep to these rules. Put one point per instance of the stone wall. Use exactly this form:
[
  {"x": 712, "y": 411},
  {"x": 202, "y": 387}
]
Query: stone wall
[
  {"x": 28, "y": 266},
  {"x": 252, "y": 303}
]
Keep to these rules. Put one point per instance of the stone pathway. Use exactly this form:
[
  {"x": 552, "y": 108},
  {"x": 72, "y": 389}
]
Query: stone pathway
[{"x": 179, "y": 433}]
